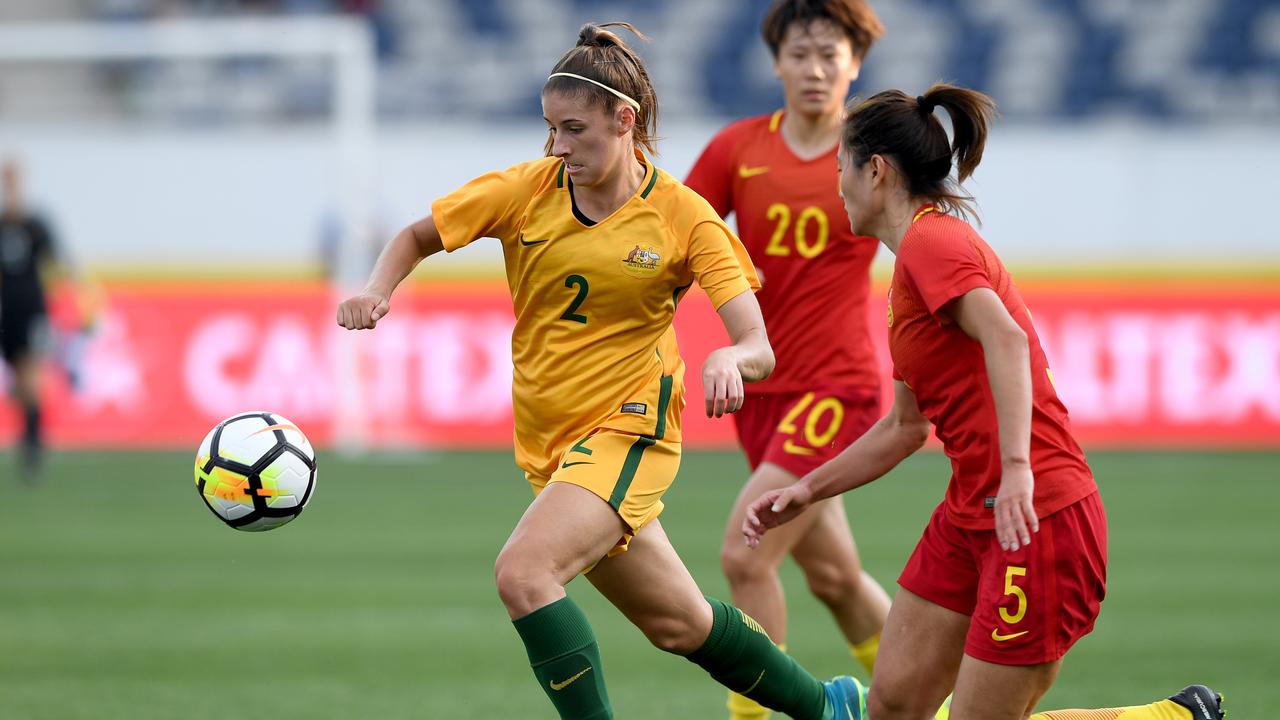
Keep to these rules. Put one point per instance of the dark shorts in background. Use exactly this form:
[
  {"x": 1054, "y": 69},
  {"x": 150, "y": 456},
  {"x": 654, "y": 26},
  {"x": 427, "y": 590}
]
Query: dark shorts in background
[{"x": 22, "y": 333}]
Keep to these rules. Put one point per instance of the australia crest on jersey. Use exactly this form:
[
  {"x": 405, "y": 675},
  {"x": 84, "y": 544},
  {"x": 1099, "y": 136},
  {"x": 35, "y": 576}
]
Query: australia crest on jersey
[{"x": 641, "y": 260}]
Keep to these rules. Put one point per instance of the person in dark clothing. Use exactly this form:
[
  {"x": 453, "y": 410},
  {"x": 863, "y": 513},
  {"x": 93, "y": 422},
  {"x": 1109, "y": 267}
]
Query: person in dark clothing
[{"x": 26, "y": 252}]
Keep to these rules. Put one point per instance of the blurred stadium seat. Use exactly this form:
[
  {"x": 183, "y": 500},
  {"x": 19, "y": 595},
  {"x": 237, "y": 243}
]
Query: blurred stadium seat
[{"x": 1184, "y": 61}]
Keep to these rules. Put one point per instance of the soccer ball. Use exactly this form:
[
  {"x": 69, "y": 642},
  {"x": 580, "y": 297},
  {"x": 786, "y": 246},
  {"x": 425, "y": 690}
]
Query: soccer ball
[{"x": 255, "y": 471}]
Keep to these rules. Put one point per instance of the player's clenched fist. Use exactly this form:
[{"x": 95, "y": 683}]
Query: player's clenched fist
[{"x": 363, "y": 311}]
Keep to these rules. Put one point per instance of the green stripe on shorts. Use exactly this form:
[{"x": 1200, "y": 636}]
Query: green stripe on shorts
[
  {"x": 664, "y": 399},
  {"x": 629, "y": 467}
]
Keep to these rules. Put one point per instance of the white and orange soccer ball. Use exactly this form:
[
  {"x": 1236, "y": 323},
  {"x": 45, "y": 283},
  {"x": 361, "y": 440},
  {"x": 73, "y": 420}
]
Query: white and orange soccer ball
[{"x": 256, "y": 471}]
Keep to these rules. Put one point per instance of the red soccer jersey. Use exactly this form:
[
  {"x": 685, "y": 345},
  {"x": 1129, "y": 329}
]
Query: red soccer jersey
[
  {"x": 941, "y": 258},
  {"x": 814, "y": 272}
]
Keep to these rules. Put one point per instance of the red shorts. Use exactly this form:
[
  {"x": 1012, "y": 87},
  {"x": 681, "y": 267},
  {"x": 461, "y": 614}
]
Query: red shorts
[
  {"x": 800, "y": 431},
  {"x": 1028, "y": 606}
]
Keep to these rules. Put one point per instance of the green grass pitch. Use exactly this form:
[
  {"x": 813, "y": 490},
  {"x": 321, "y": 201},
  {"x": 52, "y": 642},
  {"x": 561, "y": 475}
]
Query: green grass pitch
[{"x": 121, "y": 596}]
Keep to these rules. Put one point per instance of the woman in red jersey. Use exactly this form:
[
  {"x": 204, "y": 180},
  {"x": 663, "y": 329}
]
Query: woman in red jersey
[
  {"x": 1011, "y": 569},
  {"x": 776, "y": 173}
]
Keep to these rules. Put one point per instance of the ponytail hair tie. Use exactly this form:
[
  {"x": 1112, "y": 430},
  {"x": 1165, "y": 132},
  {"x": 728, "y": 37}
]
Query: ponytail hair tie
[{"x": 926, "y": 106}]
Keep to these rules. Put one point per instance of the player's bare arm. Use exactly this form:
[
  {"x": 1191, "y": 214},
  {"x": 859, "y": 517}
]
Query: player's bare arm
[
  {"x": 748, "y": 359},
  {"x": 898, "y": 434},
  {"x": 408, "y": 248},
  {"x": 984, "y": 317}
]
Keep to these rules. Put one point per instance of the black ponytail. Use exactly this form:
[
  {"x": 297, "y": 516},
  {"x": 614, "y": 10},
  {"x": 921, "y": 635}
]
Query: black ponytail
[{"x": 894, "y": 124}]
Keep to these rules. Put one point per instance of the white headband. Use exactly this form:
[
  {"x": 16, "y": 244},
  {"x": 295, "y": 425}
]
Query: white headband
[{"x": 625, "y": 98}]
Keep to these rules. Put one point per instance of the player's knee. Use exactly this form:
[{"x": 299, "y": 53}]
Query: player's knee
[
  {"x": 743, "y": 566},
  {"x": 884, "y": 703},
  {"x": 676, "y": 635},
  {"x": 520, "y": 583},
  {"x": 834, "y": 584},
  {"x": 506, "y": 577}
]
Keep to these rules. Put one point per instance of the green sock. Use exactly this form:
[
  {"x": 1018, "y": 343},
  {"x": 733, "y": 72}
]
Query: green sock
[
  {"x": 566, "y": 660},
  {"x": 739, "y": 655}
]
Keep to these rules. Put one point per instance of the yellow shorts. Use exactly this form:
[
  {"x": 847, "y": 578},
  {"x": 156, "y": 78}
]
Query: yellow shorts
[{"x": 630, "y": 472}]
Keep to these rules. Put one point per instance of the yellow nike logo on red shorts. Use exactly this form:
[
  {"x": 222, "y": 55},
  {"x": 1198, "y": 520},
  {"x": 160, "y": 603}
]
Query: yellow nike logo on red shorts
[{"x": 995, "y": 635}]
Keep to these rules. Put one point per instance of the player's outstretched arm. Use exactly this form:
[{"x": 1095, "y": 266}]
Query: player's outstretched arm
[
  {"x": 408, "y": 248},
  {"x": 983, "y": 316},
  {"x": 748, "y": 359},
  {"x": 895, "y": 436}
]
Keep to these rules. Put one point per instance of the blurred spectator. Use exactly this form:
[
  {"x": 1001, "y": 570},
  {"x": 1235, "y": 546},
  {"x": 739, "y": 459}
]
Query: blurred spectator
[{"x": 27, "y": 256}]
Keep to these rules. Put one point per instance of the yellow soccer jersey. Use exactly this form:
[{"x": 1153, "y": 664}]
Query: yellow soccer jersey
[{"x": 593, "y": 345}]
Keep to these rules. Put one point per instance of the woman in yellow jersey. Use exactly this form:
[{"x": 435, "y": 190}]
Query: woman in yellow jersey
[{"x": 599, "y": 247}]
